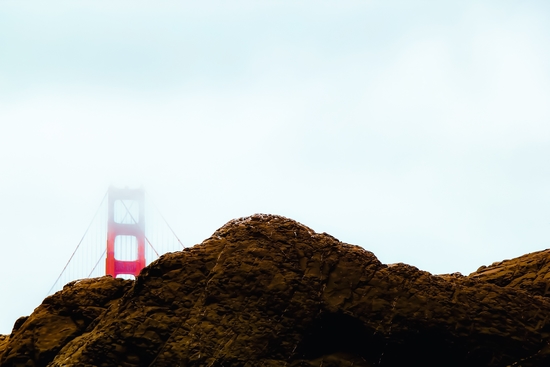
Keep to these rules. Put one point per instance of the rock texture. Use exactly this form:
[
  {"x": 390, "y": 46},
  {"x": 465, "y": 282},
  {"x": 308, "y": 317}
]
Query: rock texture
[
  {"x": 529, "y": 272},
  {"x": 268, "y": 291},
  {"x": 35, "y": 340},
  {"x": 4, "y": 339}
]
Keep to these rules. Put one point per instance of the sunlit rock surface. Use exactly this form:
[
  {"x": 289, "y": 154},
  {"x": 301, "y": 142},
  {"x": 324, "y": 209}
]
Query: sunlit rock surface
[
  {"x": 268, "y": 291},
  {"x": 36, "y": 340}
]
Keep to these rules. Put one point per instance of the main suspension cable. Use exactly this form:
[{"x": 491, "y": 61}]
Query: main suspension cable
[
  {"x": 82, "y": 239},
  {"x": 162, "y": 216}
]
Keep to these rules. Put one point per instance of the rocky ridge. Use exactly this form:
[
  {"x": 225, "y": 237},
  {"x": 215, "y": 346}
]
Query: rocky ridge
[{"x": 268, "y": 291}]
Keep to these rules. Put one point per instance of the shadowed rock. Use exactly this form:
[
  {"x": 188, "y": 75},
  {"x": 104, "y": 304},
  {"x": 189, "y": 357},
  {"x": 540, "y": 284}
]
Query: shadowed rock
[{"x": 268, "y": 291}]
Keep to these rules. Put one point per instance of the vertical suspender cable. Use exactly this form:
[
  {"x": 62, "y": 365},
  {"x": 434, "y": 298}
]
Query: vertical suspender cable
[{"x": 76, "y": 249}]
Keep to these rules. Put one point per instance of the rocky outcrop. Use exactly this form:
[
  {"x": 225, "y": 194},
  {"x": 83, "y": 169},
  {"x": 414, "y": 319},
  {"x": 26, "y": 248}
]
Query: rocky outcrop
[
  {"x": 529, "y": 272},
  {"x": 36, "y": 339},
  {"x": 4, "y": 339},
  {"x": 268, "y": 291}
]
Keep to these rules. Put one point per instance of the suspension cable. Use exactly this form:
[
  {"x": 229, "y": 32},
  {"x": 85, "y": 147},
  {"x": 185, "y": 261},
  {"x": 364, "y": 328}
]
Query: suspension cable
[
  {"x": 135, "y": 221},
  {"x": 97, "y": 263},
  {"x": 162, "y": 216},
  {"x": 82, "y": 239}
]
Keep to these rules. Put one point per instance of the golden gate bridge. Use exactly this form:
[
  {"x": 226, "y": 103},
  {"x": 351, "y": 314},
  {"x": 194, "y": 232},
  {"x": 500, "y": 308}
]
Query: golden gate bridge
[{"x": 126, "y": 234}]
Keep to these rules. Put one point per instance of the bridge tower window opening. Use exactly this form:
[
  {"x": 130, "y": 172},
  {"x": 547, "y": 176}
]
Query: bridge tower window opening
[{"x": 126, "y": 248}]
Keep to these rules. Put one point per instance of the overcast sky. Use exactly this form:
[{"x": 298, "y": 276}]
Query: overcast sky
[{"x": 418, "y": 130}]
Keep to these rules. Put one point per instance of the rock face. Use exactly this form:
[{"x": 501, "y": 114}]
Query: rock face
[
  {"x": 268, "y": 291},
  {"x": 35, "y": 340}
]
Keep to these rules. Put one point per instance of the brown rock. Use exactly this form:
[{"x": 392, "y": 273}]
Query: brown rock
[
  {"x": 529, "y": 272},
  {"x": 3, "y": 343},
  {"x": 268, "y": 291},
  {"x": 36, "y": 340}
]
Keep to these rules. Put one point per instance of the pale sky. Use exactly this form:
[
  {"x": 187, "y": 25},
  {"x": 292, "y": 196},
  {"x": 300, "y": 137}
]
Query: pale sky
[{"x": 418, "y": 130}]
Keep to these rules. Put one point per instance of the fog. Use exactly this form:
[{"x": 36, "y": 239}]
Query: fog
[{"x": 417, "y": 130}]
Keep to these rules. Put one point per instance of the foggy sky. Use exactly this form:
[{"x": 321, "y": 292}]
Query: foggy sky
[{"x": 417, "y": 130}]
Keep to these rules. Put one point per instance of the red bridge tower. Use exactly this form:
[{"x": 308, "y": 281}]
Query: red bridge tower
[{"x": 125, "y": 232}]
